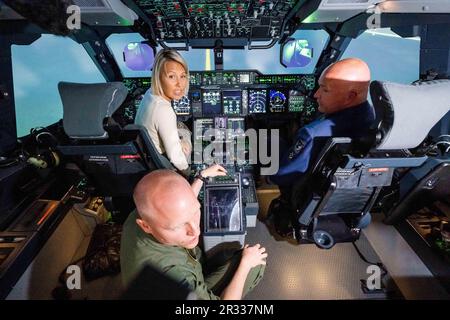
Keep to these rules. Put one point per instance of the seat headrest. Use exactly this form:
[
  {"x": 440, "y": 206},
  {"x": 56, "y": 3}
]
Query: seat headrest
[
  {"x": 86, "y": 105},
  {"x": 405, "y": 114}
]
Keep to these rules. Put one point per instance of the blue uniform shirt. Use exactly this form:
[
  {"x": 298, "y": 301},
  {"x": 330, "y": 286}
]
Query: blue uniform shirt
[{"x": 353, "y": 122}]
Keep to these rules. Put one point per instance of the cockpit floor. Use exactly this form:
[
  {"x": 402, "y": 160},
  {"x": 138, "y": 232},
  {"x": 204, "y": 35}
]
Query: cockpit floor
[
  {"x": 293, "y": 272},
  {"x": 306, "y": 272}
]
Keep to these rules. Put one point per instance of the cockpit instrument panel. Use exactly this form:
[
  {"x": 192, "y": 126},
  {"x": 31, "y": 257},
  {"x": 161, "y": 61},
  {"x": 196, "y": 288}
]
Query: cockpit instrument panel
[
  {"x": 200, "y": 19},
  {"x": 236, "y": 127},
  {"x": 137, "y": 84},
  {"x": 232, "y": 102},
  {"x": 201, "y": 126},
  {"x": 136, "y": 90},
  {"x": 306, "y": 81},
  {"x": 257, "y": 100},
  {"x": 278, "y": 100},
  {"x": 220, "y": 124},
  {"x": 310, "y": 108},
  {"x": 226, "y": 78},
  {"x": 182, "y": 106},
  {"x": 296, "y": 101},
  {"x": 211, "y": 102},
  {"x": 234, "y": 93}
]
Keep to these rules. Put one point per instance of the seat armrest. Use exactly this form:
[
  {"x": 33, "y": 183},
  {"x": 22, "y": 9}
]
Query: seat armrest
[{"x": 160, "y": 161}]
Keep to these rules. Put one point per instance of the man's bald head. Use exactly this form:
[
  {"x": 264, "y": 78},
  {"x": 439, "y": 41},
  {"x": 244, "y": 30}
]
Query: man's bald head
[
  {"x": 343, "y": 84},
  {"x": 351, "y": 69},
  {"x": 160, "y": 193},
  {"x": 168, "y": 209}
]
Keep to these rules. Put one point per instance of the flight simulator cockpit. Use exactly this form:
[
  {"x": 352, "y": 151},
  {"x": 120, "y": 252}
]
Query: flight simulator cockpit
[
  {"x": 254, "y": 68},
  {"x": 221, "y": 106}
]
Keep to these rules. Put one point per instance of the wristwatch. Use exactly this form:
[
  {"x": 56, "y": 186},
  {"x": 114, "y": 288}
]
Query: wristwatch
[{"x": 199, "y": 176}]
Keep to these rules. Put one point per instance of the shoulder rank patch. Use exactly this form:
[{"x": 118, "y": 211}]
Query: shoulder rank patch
[{"x": 298, "y": 147}]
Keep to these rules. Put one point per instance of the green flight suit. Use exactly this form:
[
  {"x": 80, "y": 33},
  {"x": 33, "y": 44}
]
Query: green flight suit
[{"x": 184, "y": 266}]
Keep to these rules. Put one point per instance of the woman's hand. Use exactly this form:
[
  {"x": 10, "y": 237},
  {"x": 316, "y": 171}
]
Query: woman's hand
[
  {"x": 214, "y": 171},
  {"x": 253, "y": 256}
]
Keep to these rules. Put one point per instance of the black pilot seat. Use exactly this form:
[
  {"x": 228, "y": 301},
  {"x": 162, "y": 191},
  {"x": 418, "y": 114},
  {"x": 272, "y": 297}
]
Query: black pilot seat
[
  {"x": 332, "y": 202},
  {"x": 113, "y": 158}
]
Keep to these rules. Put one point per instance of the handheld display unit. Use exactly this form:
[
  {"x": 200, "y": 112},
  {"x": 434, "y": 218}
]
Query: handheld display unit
[
  {"x": 224, "y": 210},
  {"x": 223, "y": 215}
]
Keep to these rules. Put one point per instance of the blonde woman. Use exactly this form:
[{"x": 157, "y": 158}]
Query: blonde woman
[{"x": 170, "y": 81}]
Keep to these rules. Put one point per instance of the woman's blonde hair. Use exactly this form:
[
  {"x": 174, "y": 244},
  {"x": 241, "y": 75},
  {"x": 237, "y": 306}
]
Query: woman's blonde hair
[{"x": 161, "y": 58}]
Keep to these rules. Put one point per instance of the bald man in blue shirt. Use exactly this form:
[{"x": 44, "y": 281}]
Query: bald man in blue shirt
[{"x": 342, "y": 98}]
